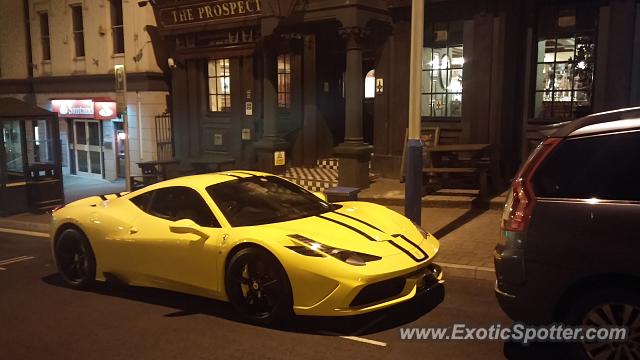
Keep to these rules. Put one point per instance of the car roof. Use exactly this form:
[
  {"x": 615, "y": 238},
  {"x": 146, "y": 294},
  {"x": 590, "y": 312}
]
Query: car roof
[
  {"x": 204, "y": 180},
  {"x": 608, "y": 121}
]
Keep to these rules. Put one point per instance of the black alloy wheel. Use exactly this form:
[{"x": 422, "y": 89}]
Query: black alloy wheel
[
  {"x": 258, "y": 286},
  {"x": 608, "y": 308},
  {"x": 75, "y": 259}
]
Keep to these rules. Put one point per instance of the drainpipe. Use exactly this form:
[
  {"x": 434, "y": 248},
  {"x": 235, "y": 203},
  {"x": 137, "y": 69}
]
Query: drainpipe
[
  {"x": 27, "y": 26},
  {"x": 139, "y": 124}
]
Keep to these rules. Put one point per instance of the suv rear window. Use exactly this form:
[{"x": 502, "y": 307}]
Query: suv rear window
[{"x": 605, "y": 167}]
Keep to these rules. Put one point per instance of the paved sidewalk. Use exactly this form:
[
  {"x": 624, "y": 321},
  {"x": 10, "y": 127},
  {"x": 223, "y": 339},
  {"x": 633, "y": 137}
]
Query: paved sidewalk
[
  {"x": 467, "y": 238},
  {"x": 79, "y": 187},
  {"x": 390, "y": 192}
]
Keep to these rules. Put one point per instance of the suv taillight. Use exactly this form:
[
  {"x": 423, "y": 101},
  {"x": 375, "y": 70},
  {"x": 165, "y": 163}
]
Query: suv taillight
[{"x": 521, "y": 199}]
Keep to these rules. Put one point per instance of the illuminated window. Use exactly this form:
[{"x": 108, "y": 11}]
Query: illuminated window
[
  {"x": 219, "y": 85},
  {"x": 442, "y": 63},
  {"x": 370, "y": 85},
  {"x": 564, "y": 64},
  {"x": 78, "y": 29},
  {"x": 284, "y": 81}
]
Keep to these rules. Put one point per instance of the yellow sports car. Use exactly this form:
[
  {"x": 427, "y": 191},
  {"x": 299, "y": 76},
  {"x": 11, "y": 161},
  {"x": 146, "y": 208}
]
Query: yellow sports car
[{"x": 259, "y": 241}]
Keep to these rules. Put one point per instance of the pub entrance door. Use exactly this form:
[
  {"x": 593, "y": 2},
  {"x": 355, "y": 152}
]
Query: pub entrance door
[{"x": 229, "y": 125}]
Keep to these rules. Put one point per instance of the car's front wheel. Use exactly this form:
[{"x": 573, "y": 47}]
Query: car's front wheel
[
  {"x": 607, "y": 308},
  {"x": 75, "y": 259},
  {"x": 258, "y": 287}
]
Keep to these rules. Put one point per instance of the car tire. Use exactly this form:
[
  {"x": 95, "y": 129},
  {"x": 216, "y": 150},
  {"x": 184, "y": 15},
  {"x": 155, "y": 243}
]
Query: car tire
[
  {"x": 75, "y": 259},
  {"x": 258, "y": 287},
  {"x": 606, "y": 307}
]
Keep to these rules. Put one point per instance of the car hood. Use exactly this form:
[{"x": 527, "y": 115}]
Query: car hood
[{"x": 356, "y": 226}]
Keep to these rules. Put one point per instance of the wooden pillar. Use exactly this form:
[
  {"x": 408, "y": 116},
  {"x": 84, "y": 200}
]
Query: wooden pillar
[
  {"x": 310, "y": 120},
  {"x": 354, "y": 153},
  {"x": 270, "y": 143}
]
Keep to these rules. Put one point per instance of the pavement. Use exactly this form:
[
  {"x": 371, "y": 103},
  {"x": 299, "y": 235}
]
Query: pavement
[
  {"x": 467, "y": 231},
  {"x": 391, "y": 192}
]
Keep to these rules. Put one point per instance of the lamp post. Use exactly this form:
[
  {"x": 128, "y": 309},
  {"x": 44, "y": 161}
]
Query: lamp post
[{"x": 413, "y": 183}]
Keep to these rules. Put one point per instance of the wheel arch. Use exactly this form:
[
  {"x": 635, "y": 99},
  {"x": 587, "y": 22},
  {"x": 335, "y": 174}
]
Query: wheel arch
[
  {"x": 66, "y": 226},
  {"x": 244, "y": 245},
  {"x": 591, "y": 283}
]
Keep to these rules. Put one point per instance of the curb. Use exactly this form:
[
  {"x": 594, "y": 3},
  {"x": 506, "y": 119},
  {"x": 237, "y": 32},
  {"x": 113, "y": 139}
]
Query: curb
[
  {"x": 468, "y": 271},
  {"x": 439, "y": 203},
  {"x": 24, "y": 225}
]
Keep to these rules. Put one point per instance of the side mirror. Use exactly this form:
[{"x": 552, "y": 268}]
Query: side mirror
[
  {"x": 321, "y": 195},
  {"x": 187, "y": 226}
]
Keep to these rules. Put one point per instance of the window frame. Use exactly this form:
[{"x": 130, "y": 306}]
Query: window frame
[
  {"x": 227, "y": 99},
  {"x": 614, "y": 136},
  {"x": 151, "y": 195},
  {"x": 45, "y": 36},
  {"x": 77, "y": 28},
  {"x": 583, "y": 26},
  {"x": 117, "y": 26},
  {"x": 454, "y": 39},
  {"x": 284, "y": 81}
]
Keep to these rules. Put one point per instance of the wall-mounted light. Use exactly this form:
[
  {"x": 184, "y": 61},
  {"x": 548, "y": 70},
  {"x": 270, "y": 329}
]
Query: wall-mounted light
[{"x": 171, "y": 63}]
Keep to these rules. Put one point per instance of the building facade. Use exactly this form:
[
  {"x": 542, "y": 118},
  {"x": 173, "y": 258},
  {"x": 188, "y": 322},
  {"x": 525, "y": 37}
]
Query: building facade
[
  {"x": 252, "y": 79},
  {"x": 60, "y": 56}
]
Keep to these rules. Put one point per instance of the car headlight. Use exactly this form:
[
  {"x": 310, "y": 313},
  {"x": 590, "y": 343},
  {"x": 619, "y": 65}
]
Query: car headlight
[
  {"x": 316, "y": 249},
  {"x": 422, "y": 231}
]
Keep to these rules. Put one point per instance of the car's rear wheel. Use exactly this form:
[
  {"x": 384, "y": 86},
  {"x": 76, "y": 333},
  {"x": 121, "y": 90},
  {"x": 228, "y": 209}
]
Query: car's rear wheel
[
  {"x": 258, "y": 287},
  {"x": 75, "y": 259},
  {"x": 607, "y": 308}
]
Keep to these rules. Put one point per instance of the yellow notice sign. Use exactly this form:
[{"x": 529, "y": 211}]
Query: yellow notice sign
[{"x": 278, "y": 158}]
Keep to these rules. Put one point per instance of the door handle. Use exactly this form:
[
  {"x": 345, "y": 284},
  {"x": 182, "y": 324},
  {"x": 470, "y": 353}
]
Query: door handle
[{"x": 133, "y": 230}]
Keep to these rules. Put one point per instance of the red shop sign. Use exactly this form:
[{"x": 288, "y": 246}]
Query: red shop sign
[
  {"x": 85, "y": 108},
  {"x": 73, "y": 108},
  {"x": 105, "y": 110}
]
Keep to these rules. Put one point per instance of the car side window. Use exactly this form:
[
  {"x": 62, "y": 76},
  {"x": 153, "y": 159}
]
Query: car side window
[
  {"x": 604, "y": 167},
  {"x": 142, "y": 200},
  {"x": 181, "y": 202}
]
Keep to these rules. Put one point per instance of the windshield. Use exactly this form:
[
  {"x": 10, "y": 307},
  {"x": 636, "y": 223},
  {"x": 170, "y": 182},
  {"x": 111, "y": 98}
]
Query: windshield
[{"x": 263, "y": 200}]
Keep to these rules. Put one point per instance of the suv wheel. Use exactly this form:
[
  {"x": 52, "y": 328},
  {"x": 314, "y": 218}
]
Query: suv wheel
[{"x": 607, "y": 308}]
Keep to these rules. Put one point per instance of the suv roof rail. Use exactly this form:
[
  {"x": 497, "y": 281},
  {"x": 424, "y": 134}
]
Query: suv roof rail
[{"x": 598, "y": 118}]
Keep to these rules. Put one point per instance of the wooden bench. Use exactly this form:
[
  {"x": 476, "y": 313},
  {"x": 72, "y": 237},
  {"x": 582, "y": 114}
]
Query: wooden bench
[
  {"x": 440, "y": 175},
  {"x": 467, "y": 160}
]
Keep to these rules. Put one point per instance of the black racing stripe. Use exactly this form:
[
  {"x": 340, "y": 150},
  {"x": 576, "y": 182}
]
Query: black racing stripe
[
  {"x": 103, "y": 197},
  {"x": 405, "y": 251},
  {"x": 358, "y": 220},
  {"x": 118, "y": 194},
  {"x": 426, "y": 256},
  {"x": 348, "y": 227},
  {"x": 243, "y": 172}
]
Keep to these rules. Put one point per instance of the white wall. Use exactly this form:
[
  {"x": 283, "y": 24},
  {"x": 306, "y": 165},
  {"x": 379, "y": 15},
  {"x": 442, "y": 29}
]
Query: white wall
[
  {"x": 98, "y": 40},
  {"x": 13, "y": 40}
]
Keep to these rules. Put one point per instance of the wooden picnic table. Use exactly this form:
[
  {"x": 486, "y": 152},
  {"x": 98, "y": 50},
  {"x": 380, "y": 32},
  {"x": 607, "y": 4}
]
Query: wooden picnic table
[
  {"x": 156, "y": 167},
  {"x": 470, "y": 159}
]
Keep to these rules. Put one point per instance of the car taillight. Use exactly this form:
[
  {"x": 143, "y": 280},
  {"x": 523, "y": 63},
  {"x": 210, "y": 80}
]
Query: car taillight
[
  {"x": 521, "y": 200},
  {"x": 57, "y": 208}
]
